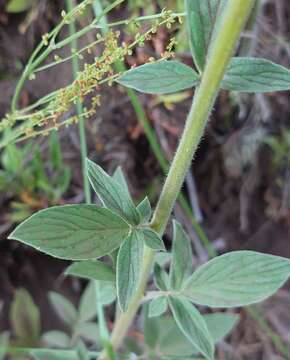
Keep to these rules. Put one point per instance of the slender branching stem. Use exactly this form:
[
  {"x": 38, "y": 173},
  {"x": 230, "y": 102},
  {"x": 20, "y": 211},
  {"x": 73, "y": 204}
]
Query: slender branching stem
[
  {"x": 221, "y": 52},
  {"x": 79, "y": 109}
]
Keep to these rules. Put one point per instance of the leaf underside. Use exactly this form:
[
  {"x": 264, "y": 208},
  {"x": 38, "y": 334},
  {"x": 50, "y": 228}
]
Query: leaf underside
[
  {"x": 91, "y": 269},
  {"x": 193, "y": 326},
  {"x": 203, "y": 18},
  {"x": 160, "y": 77},
  {"x": 237, "y": 278},
  {"x": 112, "y": 193},
  {"x": 129, "y": 264},
  {"x": 73, "y": 232},
  {"x": 256, "y": 75}
]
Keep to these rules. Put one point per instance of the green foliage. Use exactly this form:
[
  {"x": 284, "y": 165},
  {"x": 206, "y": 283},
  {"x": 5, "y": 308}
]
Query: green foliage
[
  {"x": 181, "y": 264},
  {"x": 30, "y": 180},
  {"x": 152, "y": 239},
  {"x": 129, "y": 265},
  {"x": 79, "y": 321},
  {"x": 237, "y": 278},
  {"x": 161, "y": 278},
  {"x": 60, "y": 231},
  {"x": 164, "y": 339},
  {"x": 17, "y": 6},
  {"x": 160, "y": 77},
  {"x": 121, "y": 230},
  {"x": 112, "y": 194},
  {"x": 256, "y": 75},
  {"x": 92, "y": 270},
  {"x": 64, "y": 308},
  {"x": 56, "y": 339},
  {"x": 158, "y": 306},
  {"x": 25, "y": 319},
  {"x": 203, "y": 17},
  {"x": 4, "y": 341},
  {"x": 193, "y": 326},
  {"x": 145, "y": 211}
]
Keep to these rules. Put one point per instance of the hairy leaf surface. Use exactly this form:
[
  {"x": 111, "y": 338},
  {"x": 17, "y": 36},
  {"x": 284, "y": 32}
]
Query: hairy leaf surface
[
  {"x": 157, "y": 306},
  {"x": 160, "y": 78},
  {"x": 129, "y": 265},
  {"x": 193, "y": 325},
  {"x": 161, "y": 278},
  {"x": 153, "y": 240},
  {"x": 237, "y": 278},
  {"x": 112, "y": 193},
  {"x": 145, "y": 210},
  {"x": 203, "y": 17},
  {"x": 119, "y": 176},
  {"x": 255, "y": 75},
  {"x": 170, "y": 342},
  {"x": 181, "y": 265},
  {"x": 73, "y": 232},
  {"x": 91, "y": 269}
]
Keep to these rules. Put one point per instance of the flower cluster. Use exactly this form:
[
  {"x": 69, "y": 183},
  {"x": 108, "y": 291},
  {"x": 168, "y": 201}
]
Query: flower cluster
[{"x": 88, "y": 81}]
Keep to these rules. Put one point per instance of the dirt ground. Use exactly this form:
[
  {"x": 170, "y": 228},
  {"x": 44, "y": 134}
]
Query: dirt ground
[{"x": 241, "y": 193}]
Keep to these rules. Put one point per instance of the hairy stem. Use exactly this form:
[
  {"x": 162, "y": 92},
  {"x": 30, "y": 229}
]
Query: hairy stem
[{"x": 225, "y": 44}]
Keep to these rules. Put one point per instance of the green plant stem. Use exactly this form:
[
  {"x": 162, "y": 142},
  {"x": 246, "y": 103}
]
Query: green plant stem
[
  {"x": 79, "y": 109},
  {"x": 152, "y": 138},
  {"x": 235, "y": 16}
]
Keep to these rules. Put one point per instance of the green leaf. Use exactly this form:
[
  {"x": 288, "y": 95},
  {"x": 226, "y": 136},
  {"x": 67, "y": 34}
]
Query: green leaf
[
  {"x": 17, "y": 6},
  {"x": 54, "y": 354},
  {"x": 157, "y": 306},
  {"x": 82, "y": 351},
  {"x": 25, "y": 318},
  {"x": 4, "y": 342},
  {"x": 129, "y": 264},
  {"x": 220, "y": 324},
  {"x": 64, "y": 309},
  {"x": 145, "y": 210},
  {"x": 169, "y": 342},
  {"x": 89, "y": 331},
  {"x": 153, "y": 240},
  {"x": 237, "y": 278},
  {"x": 120, "y": 178},
  {"x": 112, "y": 194},
  {"x": 182, "y": 260},
  {"x": 163, "y": 258},
  {"x": 106, "y": 292},
  {"x": 193, "y": 326},
  {"x": 74, "y": 232},
  {"x": 151, "y": 328},
  {"x": 88, "y": 303},
  {"x": 92, "y": 270},
  {"x": 11, "y": 159},
  {"x": 161, "y": 278},
  {"x": 203, "y": 17},
  {"x": 160, "y": 77},
  {"x": 56, "y": 338},
  {"x": 256, "y": 75}
]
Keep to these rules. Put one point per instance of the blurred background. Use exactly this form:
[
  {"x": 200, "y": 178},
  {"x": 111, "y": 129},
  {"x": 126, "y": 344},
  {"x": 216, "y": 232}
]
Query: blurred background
[{"x": 237, "y": 192}]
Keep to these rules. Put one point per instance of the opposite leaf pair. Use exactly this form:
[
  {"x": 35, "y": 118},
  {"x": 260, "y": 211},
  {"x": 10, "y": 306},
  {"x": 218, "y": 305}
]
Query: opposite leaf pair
[
  {"x": 244, "y": 74},
  {"x": 82, "y": 232}
]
